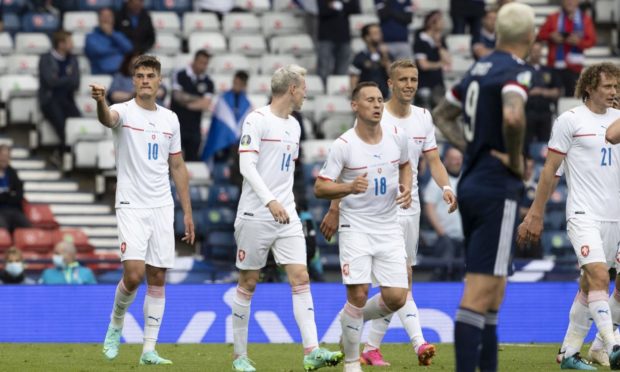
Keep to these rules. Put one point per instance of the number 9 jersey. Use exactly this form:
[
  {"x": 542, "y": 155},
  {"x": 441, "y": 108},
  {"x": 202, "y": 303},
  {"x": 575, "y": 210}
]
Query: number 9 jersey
[{"x": 479, "y": 94}]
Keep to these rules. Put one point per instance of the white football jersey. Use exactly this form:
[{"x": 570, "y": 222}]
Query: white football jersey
[
  {"x": 375, "y": 210},
  {"x": 276, "y": 140},
  {"x": 420, "y": 132},
  {"x": 591, "y": 165},
  {"x": 143, "y": 140}
]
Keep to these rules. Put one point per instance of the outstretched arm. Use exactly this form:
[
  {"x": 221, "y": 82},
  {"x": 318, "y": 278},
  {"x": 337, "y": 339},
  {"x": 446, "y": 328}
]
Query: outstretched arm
[{"x": 107, "y": 117}]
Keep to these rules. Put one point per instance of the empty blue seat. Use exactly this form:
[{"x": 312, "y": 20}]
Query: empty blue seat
[
  {"x": 556, "y": 243},
  {"x": 221, "y": 218},
  {"x": 40, "y": 22},
  {"x": 220, "y": 246},
  {"x": 178, "y": 6},
  {"x": 221, "y": 173},
  {"x": 13, "y": 6},
  {"x": 12, "y": 23},
  {"x": 555, "y": 220},
  {"x": 557, "y": 201},
  {"x": 200, "y": 226},
  {"x": 96, "y": 4},
  {"x": 538, "y": 151},
  {"x": 223, "y": 195}
]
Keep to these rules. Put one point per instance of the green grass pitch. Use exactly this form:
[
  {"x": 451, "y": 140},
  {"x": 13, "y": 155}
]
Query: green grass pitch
[{"x": 268, "y": 357}]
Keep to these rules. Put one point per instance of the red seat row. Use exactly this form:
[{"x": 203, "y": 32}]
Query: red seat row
[{"x": 43, "y": 241}]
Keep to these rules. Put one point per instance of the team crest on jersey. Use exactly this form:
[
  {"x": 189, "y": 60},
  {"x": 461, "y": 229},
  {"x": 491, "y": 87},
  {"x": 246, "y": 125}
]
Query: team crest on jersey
[
  {"x": 153, "y": 136},
  {"x": 345, "y": 269},
  {"x": 123, "y": 247},
  {"x": 288, "y": 147},
  {"x": 241, "y": 255},
  {"x": 379, "y": 170},
  {"x": 585, "y": 250},
  {"x": 246, "y": 140}
]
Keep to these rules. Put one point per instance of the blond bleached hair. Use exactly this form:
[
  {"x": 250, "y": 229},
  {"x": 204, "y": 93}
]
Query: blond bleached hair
[
  {"x": 400, "y": 63},
  {"x": 286, "y": 76},
  {"x": 515, "y": 22}
]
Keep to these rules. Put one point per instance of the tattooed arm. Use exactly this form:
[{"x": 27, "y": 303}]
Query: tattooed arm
[
  {"x": 513, "y": 109},
  {"x": 444, "y": 116}
]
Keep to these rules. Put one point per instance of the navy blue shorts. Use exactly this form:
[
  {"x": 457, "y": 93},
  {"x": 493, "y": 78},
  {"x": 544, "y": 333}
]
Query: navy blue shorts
[{"x": 489, "y": 226}]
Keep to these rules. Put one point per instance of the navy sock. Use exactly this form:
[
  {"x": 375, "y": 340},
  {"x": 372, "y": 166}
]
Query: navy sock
[
  {"x": 467, "y": 339},
  {"x": 488, "y": 353}
]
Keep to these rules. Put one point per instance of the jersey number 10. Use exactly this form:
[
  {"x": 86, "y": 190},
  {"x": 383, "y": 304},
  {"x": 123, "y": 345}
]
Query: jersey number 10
[{"x": 153, "y": 151}]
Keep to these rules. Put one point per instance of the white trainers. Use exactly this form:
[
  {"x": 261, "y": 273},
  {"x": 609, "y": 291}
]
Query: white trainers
[
  {"x": 599, "y": 357},
  {"x": 352, "y": 367}
]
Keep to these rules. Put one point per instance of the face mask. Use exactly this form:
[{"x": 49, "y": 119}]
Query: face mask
[
  {"x": 58, "y": 261},
  {"x": 14, "y": 269}
]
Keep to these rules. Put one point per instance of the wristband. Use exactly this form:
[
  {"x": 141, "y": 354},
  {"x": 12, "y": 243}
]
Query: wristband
[{"x": 448, "y": 188}]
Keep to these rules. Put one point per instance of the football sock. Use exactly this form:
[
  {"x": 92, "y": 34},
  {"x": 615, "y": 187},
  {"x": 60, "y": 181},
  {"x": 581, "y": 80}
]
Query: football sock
[
  {"x": 154, "y": 303},
  {"x": 352, "y": 322},
  {"x": 488, "y": 352},
  {"x": 240, "y": 320},
  {"x": 467, "y": 339},
  {"x": 578, "y": 326},
  {"x": 599, "y": 309},
  {"x": 303, "y": 309},
  {"x": 122, "y": 300},
  {"x": 410, "y": 318}
]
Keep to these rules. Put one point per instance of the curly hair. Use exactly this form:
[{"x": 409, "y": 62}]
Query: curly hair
[{"x": 590, "y": 78}]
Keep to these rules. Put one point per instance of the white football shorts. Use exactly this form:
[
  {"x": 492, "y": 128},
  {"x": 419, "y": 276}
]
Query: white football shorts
[
  {"x": 410, "y": 224},
  {"x": 595, "y": 241}
]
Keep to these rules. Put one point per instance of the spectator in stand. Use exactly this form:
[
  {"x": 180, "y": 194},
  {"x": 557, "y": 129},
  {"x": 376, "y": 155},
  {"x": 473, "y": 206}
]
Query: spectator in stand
[
  {"x": 372, "y": 63},
  {"x": 334, "y": 35},
  {"x": 467, "y": 16},
  {"x": 59, "y": 79},
  {"x": 122, "y": 88},
  {"x": 568, "y": 33},
  {"x": 448, "y": 226},
  {"x": 11, "y": 194},
  {"x": 66, "y": 269},
  {"x": 43, "y": 6},
  {"x": 485, "y": 44},
  {"x": 219, "y": 7},
  {"x": 395, "y": 17},
  {"x": 105, "y": 47},
  {"x": 542, "y": 98},
  {"x": 135, "y": 22},
  {"x": 431, "y": 56},
  {"x": 13, "y": 272},
  {"x": 192, "y": 92}
]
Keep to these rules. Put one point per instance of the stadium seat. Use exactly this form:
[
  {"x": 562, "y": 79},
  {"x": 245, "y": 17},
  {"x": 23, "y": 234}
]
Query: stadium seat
[
  {"x": 357, "y": 45},
  {"x": 32, "y": 43},
  {"x": 223, "y": 196},
  {"x": 300, "y": 44},
  {"x": 6, "y": 43},
  {"x": 181, "y": 61},
  {"x": 240, "y": 23},
  {"x": 84, "y": 155},
  {"x": 280, "y": 23},
  {"x": 95, "y": 4},
  {"x": 3, "y": 65},
  {"x": 556, "y": 243},
  {"x": 34, "y": 240},
  {"x": 166, "y": 22},
  {"x": 357, "y": 21},
  {"x": 336, "y": 125},
  {"x": 314, "y": 86},
  {"x": 84, "y": 129},
  {"x": 250, "y": 45},
  {"x": 307, "y": 110},
  {"x": 178, "y": 6},
  {"x": 199, "y": 22},
  {"x": 105, "y": 154},
  {"x": 459, "y": 66},
  {"x": 459, "y": 44},
  {"x": 255, "y": 6},
  {"x": 84, "y": 64},
  {"x": 220, "y": 246},
  {"x": 330, "y": 105},
  {"x": 338, "y": 85},
  {"x": 222, "y": 82},
  {"x": 311, "y": 172},
  {"x": 17, "y": 86},
  {"x": 166, "y": 43},
  {"x": 27, "y": 64},
  {"x": 40, "y": 215},
  {"x": 315, "y": 150},
  {"x": 555, "y": 220},
  {"x": 79, "y": 41},
  {"x": 167, "y": 66},
  {"x": 367, "y": 6},
  {"x": 86, "y": 80},
  {"x": 259, "y": 84},
  {"x": 425, "y": 6},
  {"x": 13, "y": 6},
  {"x": 221, "y": 173},
  {"x": 40, "y": 22},
  {"x": 258, "y": 100},
  {"x": 228, "y": 64},
  {"x": 567, "y": 103},
  {"x": 6, "y": 241},
  {"x": 214, "y": 42},
  {"x": 557, "y": 200},
  {"x": 80, "y": 21},
  {"x": 269, "y": 63},
  {"x": 78, "y": 237},
  {"x": 538, "y": 151},
  {"x": 11, "y": 22},
  {"x": 220, "y": 219},
  {"x": 24, "y": 110},
  {"x": 198, "y": 173}
]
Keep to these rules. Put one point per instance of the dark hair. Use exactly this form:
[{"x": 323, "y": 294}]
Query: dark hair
[
  {"x": 366, "y": 29},
  {"x": 242, "y": 75},
  {"x": 203, "y": 53},
  {"x": 360, "y": 86},
  {"x": 59, "y": 36},
  {"x": 126, "y": 66},
  {"x": 429, "y": 18},
  {"x": 590, "y": 78},
  {"x": 145, "y": 60}
]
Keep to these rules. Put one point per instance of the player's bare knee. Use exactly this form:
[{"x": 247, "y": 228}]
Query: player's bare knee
[
  {"x": 299, "y": 278},
  {"x": 357, "y": 295},
  {"x": 133, "y": 279},
  {"x": 248, "y": 280},
  {"x": 597, "y": 277},
  {"x": 395, "y": 301}
]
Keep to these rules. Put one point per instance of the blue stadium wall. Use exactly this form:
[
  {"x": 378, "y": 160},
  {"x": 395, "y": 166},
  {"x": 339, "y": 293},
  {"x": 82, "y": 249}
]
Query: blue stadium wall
[{"x": 532, "y": 312}]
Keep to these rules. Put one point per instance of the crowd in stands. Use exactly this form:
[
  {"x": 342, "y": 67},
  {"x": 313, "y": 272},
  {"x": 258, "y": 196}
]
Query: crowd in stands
[{"x": 125, "y": 29}]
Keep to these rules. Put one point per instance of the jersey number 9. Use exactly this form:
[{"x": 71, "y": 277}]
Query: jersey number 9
[{"x": 471, "y": 104}]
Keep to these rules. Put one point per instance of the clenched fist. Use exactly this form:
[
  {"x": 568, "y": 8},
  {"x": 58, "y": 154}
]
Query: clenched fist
[
  {"x": 97, "y": 92},
  {"x": 359, "y": 184}
]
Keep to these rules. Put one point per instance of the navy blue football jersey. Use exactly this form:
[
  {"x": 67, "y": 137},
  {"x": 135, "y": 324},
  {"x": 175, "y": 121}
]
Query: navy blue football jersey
[{"x": 479, "y": 94}]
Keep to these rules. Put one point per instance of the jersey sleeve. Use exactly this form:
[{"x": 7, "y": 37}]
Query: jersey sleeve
[
  {"x": 251, "y": 133},
  {"x": 561, "y": 135},
  {"x": 175, "y": 141},
  {"x": 121, "y": 109},
  {"x": 336, "y": 160},
  {"x": 430, "y": 143},
  {"x": 456, "y": 94},
  {"x": 519, "y": 82}
]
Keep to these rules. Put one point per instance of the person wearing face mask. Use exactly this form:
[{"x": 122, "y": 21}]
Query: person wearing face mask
[
  {"x": 66, "y": 269},
  {"x": 13, "y": 272}
]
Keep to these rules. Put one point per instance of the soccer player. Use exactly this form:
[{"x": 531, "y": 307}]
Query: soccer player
[
  {"x": 371, "y": 162},
  {"x": 591, "y": 165},
  {"x": 417, "y": 124},
  {"x": 492, "y": 96},
  {"x": 148, "y": 146},
  {"x": 266, "y": 218}
]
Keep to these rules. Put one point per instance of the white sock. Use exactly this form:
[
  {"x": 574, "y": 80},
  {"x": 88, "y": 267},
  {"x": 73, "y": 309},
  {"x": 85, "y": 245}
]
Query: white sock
[
  {"x": 410, "y": 317},
  {"x": 122, "y": 300},
  {"x": 154, "y": 304},
  {"x": 375, "y": 308},
  {"x": 578, "y": 325},
  {"x": 352, "y": 322},
  {"x": 240, "y": 320},
  {"x": 600, "y": 312},
  {"x": 378, "y": 328},
  {"x": 614, "y": 306},
  {"x": 303, "y": 308}
]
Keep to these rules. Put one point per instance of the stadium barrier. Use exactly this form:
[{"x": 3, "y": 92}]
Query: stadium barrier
[{"x": 532, "y": 312}]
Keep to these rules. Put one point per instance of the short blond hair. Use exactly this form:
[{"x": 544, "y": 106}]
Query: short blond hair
[
  {"x": 400, "y": 63},
  {"x": 515, "y": 21},
  {"x": 286, "y": 76}
]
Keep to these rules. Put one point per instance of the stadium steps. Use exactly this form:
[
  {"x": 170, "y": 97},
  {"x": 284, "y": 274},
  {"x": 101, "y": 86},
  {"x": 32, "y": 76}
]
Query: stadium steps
[
  {"x": 28, "y": 164},
  {"x": 86, "y": 220},
  {"x": 47, "y": 186},
  {"x": 38, "y": 175},
  {"x": 81, "y": 209},
  {"x": 60, "y": 197}
]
